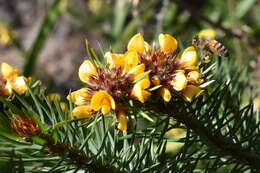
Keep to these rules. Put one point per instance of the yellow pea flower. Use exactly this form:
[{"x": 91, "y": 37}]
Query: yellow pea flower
[
  {"x": 114, "y": 60},
  {"x": 191, "y": 91},
  {"x": 194, "y": 77},
  {"x": 155, "y": 80},
  {"x": 179, "y": 82},
  {"x": 139, "y": 90},
  {"x": 166, "y": 94},
  {"x": 189, "y": 57},
  {"x": 122, "y": 121},
  {"x": 167, "y": 43},
  {"x": 83, "y": 111},
  {"x": 8, "y": 71},
  {"x": 130, "y": 60},
  {"x": 137, "y": 70},
  {"x": 6, "y": 90},
  {"x": 86, "y": 70},
  {"x": 102, "y": 100},
  {"x": 5, "y": 35},
  {"x": 19, "y": 85},
  {"x": 79, "y": 97},
  {"x": 136, "y": 43},
  {"x": 210, "y": 33}
]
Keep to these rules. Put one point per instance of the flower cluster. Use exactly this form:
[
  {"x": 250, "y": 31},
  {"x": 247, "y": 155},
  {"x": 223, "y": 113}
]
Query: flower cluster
[
  {"x": 9, "y": 81},
  {"x": 171, "y": 73}
]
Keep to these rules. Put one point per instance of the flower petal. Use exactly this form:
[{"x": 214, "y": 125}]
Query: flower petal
[
  {"x": 179, "y": 81},
  {"x": 136, "y": 43},
  {"x": 84, "y": 111},
  {"x": 167, "y": 43},
  {"x": 194, "y": 77},
  {"x": 137, "y": 70},
  {"x": 155, "y": 80},
  {"x": 190, "y": 91},
  {"x": 86, "y": 70},
  {"x": 8, "y": 71},
  {"x": 79, "y": 97},
  {"x": 189, "y": 57},
  {"x": 19, "y": 85},
  {"x": 122, "y": 121},
  {"x": 139, "y": 90},
  {"x": 114, "y": 60},
  {"x": 166, "y": 94},
  {"x": 131, "y": 60},
  {"x": 210, "y": 33},
  {"x": 102, "y": 100}
]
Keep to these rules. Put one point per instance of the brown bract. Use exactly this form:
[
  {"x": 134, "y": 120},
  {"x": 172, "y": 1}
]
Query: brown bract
[
  {"x": 161, "y": 64},
  {"x": 24, "y": 126},
  {"x": 113, "y": 81}
]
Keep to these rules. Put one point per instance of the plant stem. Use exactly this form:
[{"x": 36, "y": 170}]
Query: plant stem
[
  {"x": 211, "y": 137},
  {"x": 71, "y": 154}
]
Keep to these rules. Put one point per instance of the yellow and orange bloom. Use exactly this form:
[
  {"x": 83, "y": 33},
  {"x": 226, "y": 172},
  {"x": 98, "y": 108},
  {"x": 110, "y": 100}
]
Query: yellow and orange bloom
[
  {"x": 136, "y": 43},
  {"x": 80, "y": 97},
  {"x": 102, "y": 100},
  {"x": 115, "y": 60},
  {"x": 122, "y": 121},
  {"x": 166, "y": 94},
  {"x": 83, "y": 111},
  {"x": 190, "y": 92},
  {"x": 10, "y": 81},
  {"x": 139, "y": 90},
  {"x": 171, "y": 73},
  {"x": 189, "y": 58},
  {"x": 167, "y": 43},
  {"x": 210, "y": 33},
  {"x": 86, "y": 70}
]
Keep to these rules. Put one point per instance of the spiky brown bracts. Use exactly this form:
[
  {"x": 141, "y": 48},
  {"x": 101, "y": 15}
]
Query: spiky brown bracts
[
  {"x": 24, "y": 126},
  {"x": 161, "y": 64},
  {"x": 113, "y": 81}
]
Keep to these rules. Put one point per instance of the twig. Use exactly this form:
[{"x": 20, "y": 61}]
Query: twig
[
  {"x": 210, "y": 137},
  {"x": 73, "y": 155}
]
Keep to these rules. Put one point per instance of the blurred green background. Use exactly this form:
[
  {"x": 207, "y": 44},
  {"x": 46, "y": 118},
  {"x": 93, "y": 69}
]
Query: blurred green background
[{"x": 46, "y": 38}]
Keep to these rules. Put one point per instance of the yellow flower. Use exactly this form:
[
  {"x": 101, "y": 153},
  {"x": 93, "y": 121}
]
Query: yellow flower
[
  {"x": 102, "y": 100},
  {"x": 114, "y": 60},
  {"x": 179, "y": 81},
  {"x": 137, "y": 70},
  {"x": 130, "y": 60},
  {"x": 210, "y": 33},
  {"x": 167, "y": 43},
  {"x": 191, "y": 91},
  {"x": 189, "y": 57},
  {"x": 122, "y": 121},
  {"x": 13, "y": 81},
  {"x": 86, "y": 70},
  {"x": 155, "y": 80},
  {"x": 139, "y": 90},
  {"x": 79, "y": 97},
  {"x": 83, "y": 111},
  {"x": 166, "y": 94},
  {"x": 19, "y": 85},
  {"x": 5, "y": 35},
  {"x": 8, "y": 71},
  {"x": 136, "y": 43},
  {"x": 6, "y": 90},
  {"x": 194, "y": 77}
]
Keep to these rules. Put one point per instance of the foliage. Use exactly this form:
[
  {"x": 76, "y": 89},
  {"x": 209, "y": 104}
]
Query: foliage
[{"x": 221, "y": 128}]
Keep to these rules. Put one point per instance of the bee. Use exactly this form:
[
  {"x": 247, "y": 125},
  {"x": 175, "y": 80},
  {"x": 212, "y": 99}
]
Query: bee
[{"x": 210, "y": 46}]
